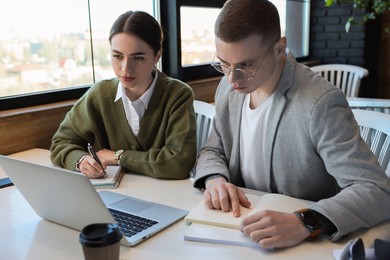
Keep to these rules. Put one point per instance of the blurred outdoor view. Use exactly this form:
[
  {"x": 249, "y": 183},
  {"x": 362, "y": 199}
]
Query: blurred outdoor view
[
  {"x": 197, "y": 32},
  {"x": 46, "y": 45}
]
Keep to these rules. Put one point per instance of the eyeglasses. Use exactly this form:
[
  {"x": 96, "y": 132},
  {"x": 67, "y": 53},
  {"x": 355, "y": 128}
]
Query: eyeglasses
[{"x": 240, "y": 72}]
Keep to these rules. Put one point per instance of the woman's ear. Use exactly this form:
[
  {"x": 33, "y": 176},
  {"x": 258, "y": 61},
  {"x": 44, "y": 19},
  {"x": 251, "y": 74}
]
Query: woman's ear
[{"x": 157, "y": 57}]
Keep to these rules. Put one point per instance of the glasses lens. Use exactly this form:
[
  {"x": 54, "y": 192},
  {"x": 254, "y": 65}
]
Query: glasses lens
[
  {"x": 218, "y": 67},
  {"x": 240, "y": 73}
]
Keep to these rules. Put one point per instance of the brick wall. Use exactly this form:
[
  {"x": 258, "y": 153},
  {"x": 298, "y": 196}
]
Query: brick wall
[{"x": 329, "y": 43}]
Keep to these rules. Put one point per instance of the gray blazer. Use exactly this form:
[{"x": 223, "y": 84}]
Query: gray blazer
[{"x": 313, "y": 147}]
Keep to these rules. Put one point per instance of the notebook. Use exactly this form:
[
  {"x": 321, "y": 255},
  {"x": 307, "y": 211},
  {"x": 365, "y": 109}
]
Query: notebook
[
  {"x": 216, "y": 226},
  {"x": 114, "y": 174},
  {"x": 272, "y": 201},
  {"x": 70, "y": 199}
]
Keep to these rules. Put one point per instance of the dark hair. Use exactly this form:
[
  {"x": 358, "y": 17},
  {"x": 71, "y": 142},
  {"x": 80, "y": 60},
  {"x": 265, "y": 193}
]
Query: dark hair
[
  {"x": 240, "y": 19},
  {"x": 140, "y": 24}
]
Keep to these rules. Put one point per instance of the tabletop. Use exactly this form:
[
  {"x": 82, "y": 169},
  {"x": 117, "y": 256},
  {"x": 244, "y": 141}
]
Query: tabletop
[{"x": 24, "y": 235}]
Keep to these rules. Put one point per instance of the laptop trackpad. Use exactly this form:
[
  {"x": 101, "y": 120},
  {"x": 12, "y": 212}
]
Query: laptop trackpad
[{"x": 131, "y": 205}]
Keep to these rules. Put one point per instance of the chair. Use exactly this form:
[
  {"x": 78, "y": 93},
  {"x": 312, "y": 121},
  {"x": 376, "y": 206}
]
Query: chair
[
  {"x": 373, "y": 104},
  {"x": 375, "y": 130},
  {"x": 344, "y": 76},
  {"x": 204, "y": 113}
]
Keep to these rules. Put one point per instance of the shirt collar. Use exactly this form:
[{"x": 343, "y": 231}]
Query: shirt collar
[{"x": 145, "y": 98}]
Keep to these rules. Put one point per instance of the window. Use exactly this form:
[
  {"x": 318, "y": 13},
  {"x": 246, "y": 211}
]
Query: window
[
  {"x": 57, "y": 49},
  {"x": 189, "y": 48},
  {"x": 295, "y": 25},
  {"x": 197, "y": 38}
]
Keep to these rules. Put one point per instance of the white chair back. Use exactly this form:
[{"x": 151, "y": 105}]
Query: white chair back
[
  {"x": 373, "y": 104},
  {"x": 344, "y": 76},
  {"x": 375, "y": 130},
  {"x": 204, "y": 113}
]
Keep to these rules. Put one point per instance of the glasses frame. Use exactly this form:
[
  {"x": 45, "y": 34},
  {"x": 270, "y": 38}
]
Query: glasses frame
[{"x": 218, "y": 66}]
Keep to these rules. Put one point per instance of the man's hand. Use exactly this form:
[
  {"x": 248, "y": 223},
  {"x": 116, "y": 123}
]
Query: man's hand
[
  {"x": 220, "y": 194},
  {"x": 272, "y": 229}
]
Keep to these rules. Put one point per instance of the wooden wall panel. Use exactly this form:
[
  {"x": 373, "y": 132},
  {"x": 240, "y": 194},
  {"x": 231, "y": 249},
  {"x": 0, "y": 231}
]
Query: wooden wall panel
[
  {"x": 27, "y": 128},
  {"x": 33, "y": 127},
  {"x": 204, "y": 90}
]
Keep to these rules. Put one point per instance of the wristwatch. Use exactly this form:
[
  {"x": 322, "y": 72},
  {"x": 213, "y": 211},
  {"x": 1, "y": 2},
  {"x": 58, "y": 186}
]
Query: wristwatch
[
  {"x": 118, "y": 155},
  {"x": 310, "y": 220}
]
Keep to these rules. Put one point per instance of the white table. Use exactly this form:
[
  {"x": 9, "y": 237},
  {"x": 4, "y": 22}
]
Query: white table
[{"x": 24, "y": 235}]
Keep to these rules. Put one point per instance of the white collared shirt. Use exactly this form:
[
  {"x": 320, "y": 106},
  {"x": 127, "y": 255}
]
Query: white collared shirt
[{"x": 135, "y": 110}]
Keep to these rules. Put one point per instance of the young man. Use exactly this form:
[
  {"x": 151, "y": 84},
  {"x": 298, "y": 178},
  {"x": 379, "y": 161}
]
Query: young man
[{"x": 281, "y": 128}]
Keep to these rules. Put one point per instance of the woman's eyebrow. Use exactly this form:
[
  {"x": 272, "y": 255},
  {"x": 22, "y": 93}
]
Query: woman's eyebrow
[
  {"x": 138, "y": 53},
  {"x": 116, "y": 51},
  {"x": 133, "y": 54}
]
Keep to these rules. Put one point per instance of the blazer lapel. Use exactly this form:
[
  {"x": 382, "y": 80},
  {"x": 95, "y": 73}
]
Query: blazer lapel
[
  {"x": 236, "y": 101},
  {"x": 278, "y": 105},
  {"x": 277, "y": 108}
]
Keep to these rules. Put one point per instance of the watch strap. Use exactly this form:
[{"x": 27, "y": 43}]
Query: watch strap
[
  {"x": 118, "y": 155},
  {"x": 314, "y": 229}
]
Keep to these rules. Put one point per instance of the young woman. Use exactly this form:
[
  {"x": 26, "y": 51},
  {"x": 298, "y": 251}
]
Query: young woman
[{"x": 141, "y": 120}]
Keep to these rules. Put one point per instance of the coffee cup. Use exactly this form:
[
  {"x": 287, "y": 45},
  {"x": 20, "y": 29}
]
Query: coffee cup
[{"x": 101, "y": 241}]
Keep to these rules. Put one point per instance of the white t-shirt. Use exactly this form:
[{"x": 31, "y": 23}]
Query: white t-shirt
[{"x": 252, "y": 149}]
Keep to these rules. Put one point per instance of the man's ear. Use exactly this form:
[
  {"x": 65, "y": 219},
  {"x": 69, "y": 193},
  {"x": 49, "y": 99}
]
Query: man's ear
[{"x": 280, "y": 47}]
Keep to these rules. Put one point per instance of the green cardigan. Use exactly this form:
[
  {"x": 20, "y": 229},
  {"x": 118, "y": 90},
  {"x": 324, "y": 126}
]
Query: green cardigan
[{"x": 165, "y": 146}]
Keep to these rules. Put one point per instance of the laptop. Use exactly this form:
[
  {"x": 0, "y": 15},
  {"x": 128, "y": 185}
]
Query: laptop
[{"x": 69, "y": 199}]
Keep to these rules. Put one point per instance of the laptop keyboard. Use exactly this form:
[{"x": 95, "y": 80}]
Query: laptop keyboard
[{"x": 131, "y": 224}]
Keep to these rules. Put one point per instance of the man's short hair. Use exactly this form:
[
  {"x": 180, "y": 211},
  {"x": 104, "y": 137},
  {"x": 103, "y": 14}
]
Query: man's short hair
[{"x": 240, "y": 19}]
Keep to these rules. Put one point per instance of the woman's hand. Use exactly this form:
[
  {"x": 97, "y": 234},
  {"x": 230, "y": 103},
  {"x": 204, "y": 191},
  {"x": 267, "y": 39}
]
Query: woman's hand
[
  {"x": 91, "y": 168},
  {"x": 108, "y": 156}
]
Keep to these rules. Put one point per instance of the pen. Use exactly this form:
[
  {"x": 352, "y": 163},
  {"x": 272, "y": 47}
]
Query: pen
[{"x": 94, "y": 155}]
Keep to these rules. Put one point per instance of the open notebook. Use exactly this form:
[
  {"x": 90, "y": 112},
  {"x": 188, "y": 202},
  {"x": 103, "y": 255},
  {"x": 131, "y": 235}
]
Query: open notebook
[
  {"x": 203, "y": 215},
  {"x": 216, "y": 226}
]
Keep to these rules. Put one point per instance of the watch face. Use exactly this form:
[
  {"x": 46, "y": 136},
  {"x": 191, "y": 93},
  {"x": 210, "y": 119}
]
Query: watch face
[
  {"x": 118, "y": 153},
  {"x": 311, "y": 220}
]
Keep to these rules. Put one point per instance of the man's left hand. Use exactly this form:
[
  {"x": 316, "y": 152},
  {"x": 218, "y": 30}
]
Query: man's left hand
[{"x": 272, "y": 229}]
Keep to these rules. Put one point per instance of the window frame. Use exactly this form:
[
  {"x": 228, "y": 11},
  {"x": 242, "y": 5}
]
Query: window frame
[
  {"x": 171, "y": 58},
  {"x": 41, "y": 98}
]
